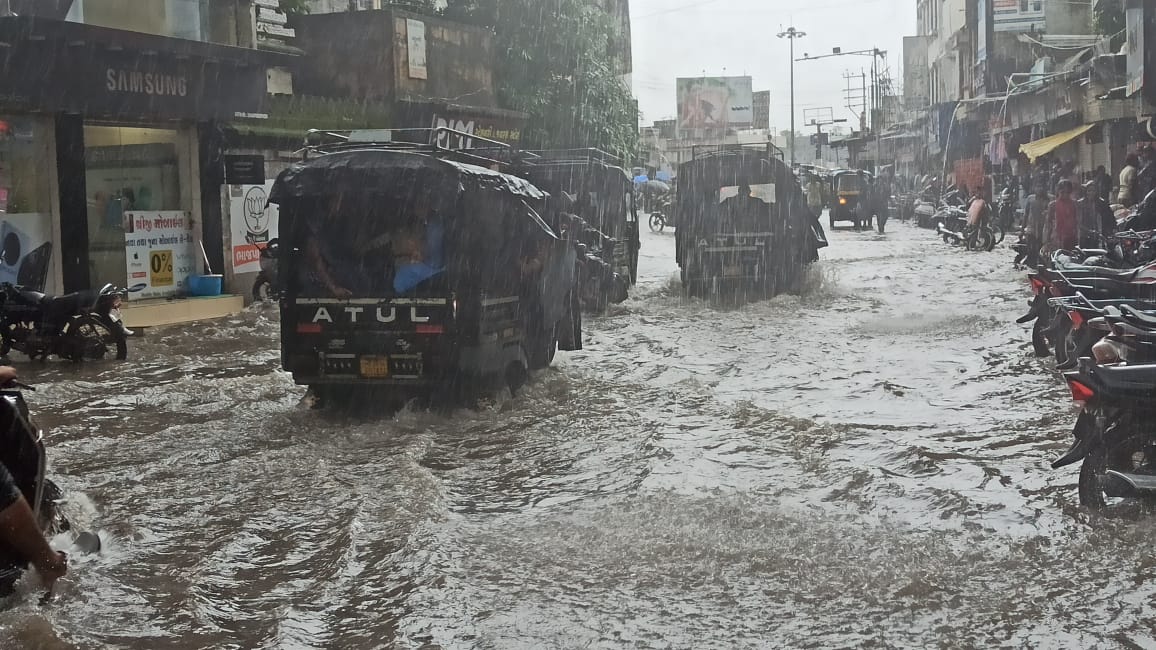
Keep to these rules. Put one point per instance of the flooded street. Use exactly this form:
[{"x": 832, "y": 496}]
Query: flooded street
[{"x": 866, "y": 466}]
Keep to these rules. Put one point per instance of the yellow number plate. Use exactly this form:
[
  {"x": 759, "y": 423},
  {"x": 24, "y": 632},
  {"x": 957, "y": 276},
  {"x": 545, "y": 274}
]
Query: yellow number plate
[{"x": 375, "y": 367}]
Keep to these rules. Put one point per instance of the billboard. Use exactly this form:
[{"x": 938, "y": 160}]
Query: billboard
[{"x": 715, "y": 103}]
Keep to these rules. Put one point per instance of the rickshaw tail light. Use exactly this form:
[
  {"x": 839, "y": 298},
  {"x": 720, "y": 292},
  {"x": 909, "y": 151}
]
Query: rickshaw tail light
[
  {"x": 309, "y": 328},
  {"x": 431, "y": 329},
  {"x": 842, "y": 200}
]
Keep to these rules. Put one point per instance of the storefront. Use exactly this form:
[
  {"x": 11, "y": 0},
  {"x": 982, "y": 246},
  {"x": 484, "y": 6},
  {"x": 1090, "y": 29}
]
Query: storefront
[{"x": 111, "y": 150}]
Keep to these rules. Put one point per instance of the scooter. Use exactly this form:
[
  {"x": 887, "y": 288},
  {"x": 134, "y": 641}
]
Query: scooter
[
  {"x": 266, "y": 286},
  {"x": 75, "y": 326},
  {"x": 23, "y": 455}
]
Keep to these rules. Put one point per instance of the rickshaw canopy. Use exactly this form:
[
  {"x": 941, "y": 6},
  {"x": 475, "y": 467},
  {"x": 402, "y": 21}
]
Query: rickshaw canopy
[{"x": 392, "y": 172}]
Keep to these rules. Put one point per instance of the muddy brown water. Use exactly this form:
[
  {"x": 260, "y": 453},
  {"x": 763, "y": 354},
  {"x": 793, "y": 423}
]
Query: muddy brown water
[{"x": 865, "y": 466}]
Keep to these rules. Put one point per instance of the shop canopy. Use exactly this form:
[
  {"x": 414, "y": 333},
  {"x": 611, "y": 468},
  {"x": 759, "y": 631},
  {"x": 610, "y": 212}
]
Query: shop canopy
[{"x": 1044, "y": 146}]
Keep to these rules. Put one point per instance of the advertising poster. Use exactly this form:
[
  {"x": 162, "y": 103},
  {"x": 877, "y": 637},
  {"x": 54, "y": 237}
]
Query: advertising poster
[
  {"x": 1134, "y": 22},
  {"x": 252, "y": 224},
  {"x": 715, "y": 102},
  {"x": 415, "y": 30},
  {"x": 25, "y": 251},
  {"x": 160, "y": 252}
]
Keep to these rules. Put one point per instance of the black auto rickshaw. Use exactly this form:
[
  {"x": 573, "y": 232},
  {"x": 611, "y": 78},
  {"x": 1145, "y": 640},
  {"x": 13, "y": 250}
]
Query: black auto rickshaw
[
  {"x": 405, "y": 269},
  {"x": 848, "y": 187},
  {"x": 589, "y": 184},
  {"x": 744, "y": 225}
]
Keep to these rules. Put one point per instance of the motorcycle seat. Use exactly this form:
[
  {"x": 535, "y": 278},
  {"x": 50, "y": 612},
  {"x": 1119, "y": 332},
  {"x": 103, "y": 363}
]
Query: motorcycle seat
[
  {"x": 1126, "y": 380},
  {"x": 1082, "y": 271},
  {"x": 1143, "y": 318},
  {"x": 1099, "y": 288}
]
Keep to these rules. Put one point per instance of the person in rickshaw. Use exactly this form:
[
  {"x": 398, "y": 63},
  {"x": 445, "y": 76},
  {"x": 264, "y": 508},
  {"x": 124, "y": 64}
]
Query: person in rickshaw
[
  {"x": 344, "y": 259},
  {"x": 742, "y": 209},
  {"x": 419, "y": 248}
]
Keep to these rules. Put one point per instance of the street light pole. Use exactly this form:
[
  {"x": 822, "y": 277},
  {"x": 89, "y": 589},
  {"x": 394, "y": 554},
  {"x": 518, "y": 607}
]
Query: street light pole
[{"x": 791, "y": 34}]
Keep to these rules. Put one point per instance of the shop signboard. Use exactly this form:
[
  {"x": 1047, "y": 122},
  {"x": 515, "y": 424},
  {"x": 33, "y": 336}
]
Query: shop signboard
[
  {"x": 483, "y": 122},
  {"x": 245, "y": 170},
  {"x": 159, "y": 252},
  {"x": 253, "y": 223},
  {"x": 143, "y": 75},
  {"x": 715, "y": 102}
]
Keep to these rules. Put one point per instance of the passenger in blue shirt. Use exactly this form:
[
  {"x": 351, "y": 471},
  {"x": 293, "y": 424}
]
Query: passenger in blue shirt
[{"x": 419, "y": 251}]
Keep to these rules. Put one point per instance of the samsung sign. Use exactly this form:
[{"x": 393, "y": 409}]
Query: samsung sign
[{"x": 146, "y": 83}]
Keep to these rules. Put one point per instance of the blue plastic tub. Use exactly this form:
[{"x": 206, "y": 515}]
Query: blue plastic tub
[{"x": 204, "y": 285}]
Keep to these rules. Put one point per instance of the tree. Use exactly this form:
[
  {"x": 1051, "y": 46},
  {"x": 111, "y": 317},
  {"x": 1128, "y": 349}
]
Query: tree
[
  {"x": 554, "y": 62},
  {"x": 294, "y": 6},
  {"x": 1109, "y": 17}
]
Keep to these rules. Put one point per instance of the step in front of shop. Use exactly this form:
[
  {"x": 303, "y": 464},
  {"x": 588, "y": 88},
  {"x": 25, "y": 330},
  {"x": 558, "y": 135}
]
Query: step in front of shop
[{"x": 162, "y": 311}]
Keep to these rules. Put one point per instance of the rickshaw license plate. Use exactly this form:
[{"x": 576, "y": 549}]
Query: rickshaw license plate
[
  {"x": 732, "y": 269},
  {"x": 374, "y": 366}
]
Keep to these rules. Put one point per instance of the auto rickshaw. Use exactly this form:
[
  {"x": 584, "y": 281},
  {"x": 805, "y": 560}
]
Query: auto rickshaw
[
  {"x": 591, "y": 185},
  {"x": 410, "y": 272},
  {"x": 847, "y": 186},
  {"x": 744, "y": 225}
]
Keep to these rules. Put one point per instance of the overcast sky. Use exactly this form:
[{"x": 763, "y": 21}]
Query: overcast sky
[{"x": 684, "y": 38}]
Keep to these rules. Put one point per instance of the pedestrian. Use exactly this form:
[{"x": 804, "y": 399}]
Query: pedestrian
[
  {"x": 815, "y": 195},
  {"x": 1035, "y": 214},
  {"x": 882, "y": 201},
  {"x": 1096, "y": 219},
  {"x": 1146, "y": 177},
  {"x": 1103, "y": 183},
  {"x": 864, "y": 208},
  {"x": 1061, "y": 228},
  {"x": 1127, "y": 194}
]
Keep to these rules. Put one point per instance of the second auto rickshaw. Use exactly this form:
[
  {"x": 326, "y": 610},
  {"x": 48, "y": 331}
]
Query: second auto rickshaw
[
  {"x": 744, "y": 225},
  {"x": 589, "y": 184}
]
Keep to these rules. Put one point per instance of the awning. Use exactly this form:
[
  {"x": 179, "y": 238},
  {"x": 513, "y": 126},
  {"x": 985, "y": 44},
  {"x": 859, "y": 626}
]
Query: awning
[{"x": 1044, "y": 146}]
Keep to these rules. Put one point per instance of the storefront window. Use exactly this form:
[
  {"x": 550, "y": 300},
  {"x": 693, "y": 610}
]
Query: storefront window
[
  {"x": 174, "y": 18},
  {"x": 25, "y": 207},
  {"x": 127, "y": 169}
]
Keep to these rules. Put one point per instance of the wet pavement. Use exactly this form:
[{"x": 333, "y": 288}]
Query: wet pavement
[{"x": 865, "y": 466}]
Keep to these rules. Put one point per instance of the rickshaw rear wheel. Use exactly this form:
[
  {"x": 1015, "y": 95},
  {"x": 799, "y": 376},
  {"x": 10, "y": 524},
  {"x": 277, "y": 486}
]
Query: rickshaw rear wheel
[
  {"x": 516, "y": 377},
  {"x": 545, "y": 347}
]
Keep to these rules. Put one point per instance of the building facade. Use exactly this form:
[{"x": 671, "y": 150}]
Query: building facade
[{"x": 110, "y": 137}]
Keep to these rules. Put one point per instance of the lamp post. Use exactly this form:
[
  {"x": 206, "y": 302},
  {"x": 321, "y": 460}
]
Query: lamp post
[{"x": 791, "y": 34}]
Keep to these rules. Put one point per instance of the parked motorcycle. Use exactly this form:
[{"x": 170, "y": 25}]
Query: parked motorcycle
[
  {"x": 952, "y": 225},
  {"x": 1114, "y": 440},
  {"x": 76, "y": 326},
  {"x": 266, "y": 286}
]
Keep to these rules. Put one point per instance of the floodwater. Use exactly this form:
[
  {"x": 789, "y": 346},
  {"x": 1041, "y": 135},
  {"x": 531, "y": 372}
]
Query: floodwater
[{"x": 866, "y": 466}]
